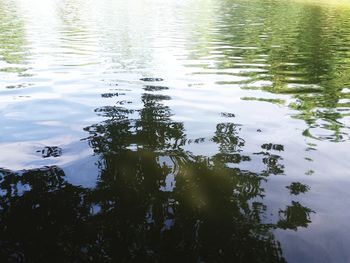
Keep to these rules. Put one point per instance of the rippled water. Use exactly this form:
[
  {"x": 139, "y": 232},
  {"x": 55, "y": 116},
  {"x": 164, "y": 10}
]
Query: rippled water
[{"x": 168, "y": 131}]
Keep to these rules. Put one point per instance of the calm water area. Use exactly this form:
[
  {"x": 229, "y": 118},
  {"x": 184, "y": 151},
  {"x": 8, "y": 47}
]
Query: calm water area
[{"x": 174, "y": 131}]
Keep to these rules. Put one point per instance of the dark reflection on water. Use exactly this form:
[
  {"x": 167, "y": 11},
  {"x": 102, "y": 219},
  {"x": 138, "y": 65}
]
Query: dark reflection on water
[{"x": 210, "y": 211}]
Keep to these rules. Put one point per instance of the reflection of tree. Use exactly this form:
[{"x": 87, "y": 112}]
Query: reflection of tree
[
  {"x": 307, "y": 59},
  {"x": 307, "y": 67},
  {"x": 40, "y": 216},
  {"x": 296, "y": 188},
  {"x": 210, "y": 214},
  {"x": 226, "y": 136},
  {"x": 12, "y": 38},
  {"x": 294, "y": 216}
]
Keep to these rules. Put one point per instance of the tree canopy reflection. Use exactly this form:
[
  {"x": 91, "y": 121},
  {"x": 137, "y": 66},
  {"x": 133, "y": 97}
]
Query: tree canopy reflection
[
  {"x": 308, "y": 60},
  {"x": 153, "y": 200}
]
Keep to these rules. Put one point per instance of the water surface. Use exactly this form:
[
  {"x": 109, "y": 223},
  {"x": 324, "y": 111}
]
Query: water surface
[{"x": 167, "y": 131}]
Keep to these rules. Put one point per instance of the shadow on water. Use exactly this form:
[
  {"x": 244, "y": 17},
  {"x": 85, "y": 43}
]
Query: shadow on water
[{"x": 153, "y": 201}]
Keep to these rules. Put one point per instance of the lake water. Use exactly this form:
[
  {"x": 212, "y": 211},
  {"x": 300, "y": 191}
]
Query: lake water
[{"x": 178, "y": 130}]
